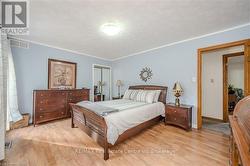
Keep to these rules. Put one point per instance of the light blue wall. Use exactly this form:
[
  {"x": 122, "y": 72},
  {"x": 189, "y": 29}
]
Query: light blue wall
[
  {"x": 169, "y": 64},
  {"x": 172, "y": 63},
  {"x": 31, "y": 66}
]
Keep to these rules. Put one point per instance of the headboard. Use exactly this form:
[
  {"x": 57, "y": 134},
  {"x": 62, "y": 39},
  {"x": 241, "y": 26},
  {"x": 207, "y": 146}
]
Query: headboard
[{"x": 163, "y": 95}]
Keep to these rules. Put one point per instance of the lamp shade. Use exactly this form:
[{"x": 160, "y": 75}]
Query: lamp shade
[
  {"x": 177, "y": 88},
  {"x": 118, "y": 83}
]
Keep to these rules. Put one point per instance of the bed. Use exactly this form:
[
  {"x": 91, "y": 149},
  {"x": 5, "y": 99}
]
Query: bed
[{"x": 114, "y": 128}]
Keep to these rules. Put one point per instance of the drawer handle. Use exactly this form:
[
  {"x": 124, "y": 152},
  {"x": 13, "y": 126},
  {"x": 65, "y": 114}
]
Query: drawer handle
[
  {"x": 174, "y": 111},
  {"x": 62, "y": 113},
  {"x": 41, "y": 102},
  {"x": 40, "y": 109},
  {"x": 41, "y": 116},
  {"x": 175, "y": 119},
  {"x": 41, "y": 94}
]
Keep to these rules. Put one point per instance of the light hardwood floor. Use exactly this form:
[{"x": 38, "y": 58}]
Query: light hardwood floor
[{"x": 56, "y": 143}]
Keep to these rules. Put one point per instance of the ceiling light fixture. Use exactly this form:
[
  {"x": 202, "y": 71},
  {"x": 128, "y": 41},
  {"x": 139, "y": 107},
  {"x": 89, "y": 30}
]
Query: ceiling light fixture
[{"x": 111, "y": 29}]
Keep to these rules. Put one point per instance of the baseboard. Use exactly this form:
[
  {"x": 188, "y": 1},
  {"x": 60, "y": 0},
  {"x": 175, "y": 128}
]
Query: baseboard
[{"x": 194, "y": 126}]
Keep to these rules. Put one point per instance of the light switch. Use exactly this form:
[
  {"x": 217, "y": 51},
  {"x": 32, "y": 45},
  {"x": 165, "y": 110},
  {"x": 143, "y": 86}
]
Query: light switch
[{"x": 193, "y": 79}]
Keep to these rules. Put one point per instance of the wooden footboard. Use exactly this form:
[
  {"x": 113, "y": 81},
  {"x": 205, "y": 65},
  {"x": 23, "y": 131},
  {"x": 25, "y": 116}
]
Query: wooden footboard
[
  {"x": 92, "y": 124},
  {"x": 95, "y": 126}
]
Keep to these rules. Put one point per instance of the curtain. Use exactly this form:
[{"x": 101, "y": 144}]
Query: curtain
[
  {"x": 3, "y": 99},
  {"x": 13, "y": 113}
]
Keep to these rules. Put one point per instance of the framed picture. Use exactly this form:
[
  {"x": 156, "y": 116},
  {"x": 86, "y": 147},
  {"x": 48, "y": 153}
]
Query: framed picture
[{"x": 61, "y": 74}]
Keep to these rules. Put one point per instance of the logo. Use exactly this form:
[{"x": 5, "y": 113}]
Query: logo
[{"x": 15, "y": 17}]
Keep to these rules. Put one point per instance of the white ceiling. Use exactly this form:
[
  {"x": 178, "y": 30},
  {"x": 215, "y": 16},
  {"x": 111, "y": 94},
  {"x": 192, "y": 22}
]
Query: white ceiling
[{"x": 74, "y": 24}]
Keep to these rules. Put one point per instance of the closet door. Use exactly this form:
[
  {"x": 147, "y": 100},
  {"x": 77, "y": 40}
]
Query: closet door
[
  {"x": 102, "y": 83},
  {"x": 97, "y": 84},
  {"x": 106, "y": 83}
]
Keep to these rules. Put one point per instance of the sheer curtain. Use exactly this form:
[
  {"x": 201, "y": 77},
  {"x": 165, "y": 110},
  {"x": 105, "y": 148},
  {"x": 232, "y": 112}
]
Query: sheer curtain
[
  {"x": 3, "y": 98},
  {"x": 13, "y": 113}
]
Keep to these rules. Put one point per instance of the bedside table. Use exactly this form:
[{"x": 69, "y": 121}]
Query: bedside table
[
  {"x": 117, "y": 97},
  {"x": 179, "y": 115}
]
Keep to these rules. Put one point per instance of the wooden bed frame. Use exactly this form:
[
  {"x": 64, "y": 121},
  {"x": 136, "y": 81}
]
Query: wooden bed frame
[{"x": 95, "y": 126}]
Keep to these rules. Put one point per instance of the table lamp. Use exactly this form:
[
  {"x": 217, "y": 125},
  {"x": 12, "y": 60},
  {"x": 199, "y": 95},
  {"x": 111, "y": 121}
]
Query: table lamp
[
  {"x": 119, "y": 84},
  {"x": 178, "y": 91}
]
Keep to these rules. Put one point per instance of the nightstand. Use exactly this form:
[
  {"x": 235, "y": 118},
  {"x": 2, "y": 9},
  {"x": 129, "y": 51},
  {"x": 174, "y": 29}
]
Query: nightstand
[
  {"x": 117, "y": 97},
  {"x": 179, "y": 115}
]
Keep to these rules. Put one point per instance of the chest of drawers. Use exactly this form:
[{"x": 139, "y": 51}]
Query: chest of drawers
[
  {"x": 179, "y": 115},
  {"x": 54, "y": 104}
]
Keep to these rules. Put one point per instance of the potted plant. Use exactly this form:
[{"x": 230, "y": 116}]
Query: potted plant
[{"x": 231, "y": 89}]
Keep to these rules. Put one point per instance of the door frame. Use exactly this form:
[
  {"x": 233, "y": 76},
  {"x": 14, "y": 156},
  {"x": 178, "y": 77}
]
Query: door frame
[
  {"x": 200, "y": 51},
  {"x": 93, "y": 79},
  {"x": 225, "y": 58}
]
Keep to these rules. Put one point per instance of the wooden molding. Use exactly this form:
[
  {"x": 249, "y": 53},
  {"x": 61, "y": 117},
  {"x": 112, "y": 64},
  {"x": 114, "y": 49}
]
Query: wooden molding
[
  {"x": 234, "y": 54},
  {"x": 225, "y": 88},
  {"x": 246, "y": 44},
  {"x": 225, "y": 82},
  {"x": 247, "y": 68},
  {"x": 225, "y": 45}
]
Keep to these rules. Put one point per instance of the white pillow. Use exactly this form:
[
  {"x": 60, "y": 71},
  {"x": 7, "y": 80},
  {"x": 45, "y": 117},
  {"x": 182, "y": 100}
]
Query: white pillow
[
  {"x": 157, "y": 95},
  {"x": 139, "y": 96},
  {"x": 146, "y": 96},
  {"x": 133, "y": 94},
  {"x": 130, "y": 94},
  {"x": 127, "y": 94}
]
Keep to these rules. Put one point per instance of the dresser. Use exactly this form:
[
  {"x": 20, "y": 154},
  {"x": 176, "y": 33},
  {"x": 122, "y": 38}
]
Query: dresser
[
  {"x": 179, "y": 115},
  {"x": 99, "y": 97},
  {"x": 54, "y": 104}
]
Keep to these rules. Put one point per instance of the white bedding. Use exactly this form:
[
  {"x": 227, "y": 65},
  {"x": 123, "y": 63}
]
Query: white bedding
[{"x": 131, "y": 113}]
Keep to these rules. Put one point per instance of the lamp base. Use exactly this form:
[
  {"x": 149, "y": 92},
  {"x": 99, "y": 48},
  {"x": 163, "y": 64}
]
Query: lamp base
[
  {"x": 177, "y": 102},
  {"x": 119, "y": 92}
]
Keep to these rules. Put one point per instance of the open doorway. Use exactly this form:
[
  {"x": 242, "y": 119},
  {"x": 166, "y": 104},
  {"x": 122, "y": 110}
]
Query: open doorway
[
  {"x": 214, "y": 115},
  {"x": 214, "y": 83},
  {"x": 233, "y": 78}
]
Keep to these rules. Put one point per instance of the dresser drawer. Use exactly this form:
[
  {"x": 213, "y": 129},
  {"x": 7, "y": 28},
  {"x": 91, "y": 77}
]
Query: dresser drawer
[
  {"x": 51, "y": 102},
  {"x": 177, "y": 120},
  {"x": 77, "y": 96},
  {"x": 45, "y": 116},
  {"x": 50, "y": 108},
  {"x": 48, "y": 94},
  {"x": 78, "y": 93},
  {"x": 180, "y": 112},
  {"x": 77, "y": 99},
  {"x": 179, "y": 115}
]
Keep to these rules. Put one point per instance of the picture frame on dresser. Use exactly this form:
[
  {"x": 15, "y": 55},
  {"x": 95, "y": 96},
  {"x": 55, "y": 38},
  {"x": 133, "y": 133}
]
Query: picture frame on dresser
[{"x": 61, "y": 74}]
